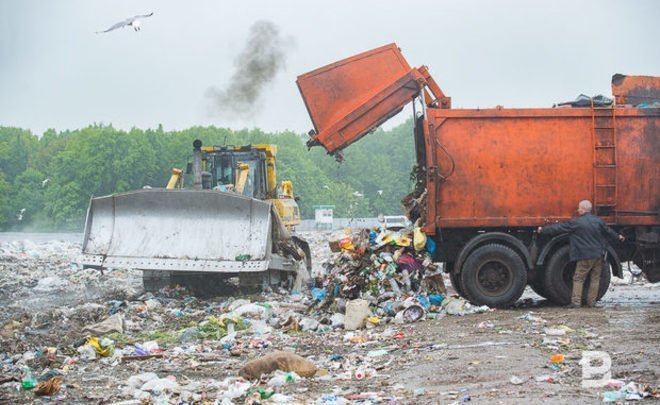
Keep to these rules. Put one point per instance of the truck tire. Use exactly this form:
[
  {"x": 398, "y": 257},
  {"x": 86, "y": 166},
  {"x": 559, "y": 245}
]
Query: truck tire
[
  {"x": 493, "y": 275},
  {"x": 537, "y": 283},
  {"x": 456, "y": 282},
  {"x": 454, "y": 277},
  {"x": 559, "y": 278}
]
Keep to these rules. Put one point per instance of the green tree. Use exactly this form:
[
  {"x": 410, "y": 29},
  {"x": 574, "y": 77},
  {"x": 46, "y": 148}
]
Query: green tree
[
  {"x": 28, "y": 195},
  {"x": 5, "y": 209},
  {"x": 64, "y": 210},
  {"x": 16, "y": 148}
]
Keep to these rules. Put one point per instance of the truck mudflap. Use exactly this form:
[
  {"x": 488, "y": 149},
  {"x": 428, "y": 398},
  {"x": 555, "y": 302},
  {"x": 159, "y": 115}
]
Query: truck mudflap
[{"x": 178, "y": 230}]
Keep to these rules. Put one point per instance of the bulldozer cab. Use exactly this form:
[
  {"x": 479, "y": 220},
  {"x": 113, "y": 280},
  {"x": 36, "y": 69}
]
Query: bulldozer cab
[{"x": 226, "y": 164}]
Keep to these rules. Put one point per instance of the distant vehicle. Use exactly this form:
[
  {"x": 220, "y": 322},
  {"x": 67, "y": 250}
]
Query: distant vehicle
[{"x": 396, "y": 222}]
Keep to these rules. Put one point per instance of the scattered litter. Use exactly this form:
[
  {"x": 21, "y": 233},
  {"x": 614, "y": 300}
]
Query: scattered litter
[
  {"x": 515, "y": 380},
  {"x": 544, "y": 378},
  {"x": 377, "y": 353},
  {"x": 114, "y": 323},
  {"x": 629, "y": 392},
  {"x": 282, "y": 378},
  {"x": 48, "y": 388},
  {"x": 357, "y": 312},
  {"x": 85, "y": 336},
  {"x": 531, "y": 318}
]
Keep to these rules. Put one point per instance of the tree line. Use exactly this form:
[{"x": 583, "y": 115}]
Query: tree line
[{"x": 46, "y": 181}]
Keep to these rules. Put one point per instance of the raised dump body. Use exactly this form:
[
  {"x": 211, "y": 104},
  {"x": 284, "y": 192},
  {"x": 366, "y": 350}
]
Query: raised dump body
[{"x": 489, "y": 177}]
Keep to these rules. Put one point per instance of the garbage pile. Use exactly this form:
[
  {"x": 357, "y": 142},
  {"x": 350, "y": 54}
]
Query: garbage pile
[
  {"x": 69, "y": 334},
  {"x": 158, "y": 348},
  {"x": 391, "y": 270},
  {"x": 86, "y": 336}
]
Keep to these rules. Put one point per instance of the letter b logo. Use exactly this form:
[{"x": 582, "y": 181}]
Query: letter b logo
[{"x": 595, "y": 364}]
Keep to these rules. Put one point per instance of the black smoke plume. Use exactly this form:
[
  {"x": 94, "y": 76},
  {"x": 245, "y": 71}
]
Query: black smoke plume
[{"x": 255, "y": 67}]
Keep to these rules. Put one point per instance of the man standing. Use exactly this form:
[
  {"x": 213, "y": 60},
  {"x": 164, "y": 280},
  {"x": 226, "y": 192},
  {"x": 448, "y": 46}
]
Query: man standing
[{"x": 587, "y": 247}]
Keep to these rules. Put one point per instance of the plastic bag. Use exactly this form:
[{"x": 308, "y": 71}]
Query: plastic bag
[{"x": 419, "y": 239}]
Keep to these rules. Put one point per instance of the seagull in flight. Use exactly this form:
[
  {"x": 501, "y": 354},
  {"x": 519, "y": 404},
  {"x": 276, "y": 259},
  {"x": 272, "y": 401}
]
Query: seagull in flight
[{"x": 134, "y": 22}]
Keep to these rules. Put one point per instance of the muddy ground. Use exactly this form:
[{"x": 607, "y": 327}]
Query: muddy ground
[{"x": 501, "y": 356}]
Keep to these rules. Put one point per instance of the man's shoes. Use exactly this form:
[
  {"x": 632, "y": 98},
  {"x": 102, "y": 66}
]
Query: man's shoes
[{"x": 572, "y": 306}]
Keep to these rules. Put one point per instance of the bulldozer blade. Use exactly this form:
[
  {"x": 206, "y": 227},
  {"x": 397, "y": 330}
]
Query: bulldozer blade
[{"x": 178, "y": 230}]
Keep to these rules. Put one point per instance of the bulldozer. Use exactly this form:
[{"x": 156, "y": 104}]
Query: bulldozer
[{"x": 234, "y": 224}]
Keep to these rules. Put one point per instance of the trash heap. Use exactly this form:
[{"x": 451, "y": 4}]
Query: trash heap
[
  {"x": 392, "y": 271},
  {"x": 72, "y": 335}
]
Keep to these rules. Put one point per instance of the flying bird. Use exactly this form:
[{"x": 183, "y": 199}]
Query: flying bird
[
  {"x": 19, "y": 216},
  {"x": 380, "y": 192},
  {"x": 44, "y": 182},
  {"x": 134, "y": 22}
]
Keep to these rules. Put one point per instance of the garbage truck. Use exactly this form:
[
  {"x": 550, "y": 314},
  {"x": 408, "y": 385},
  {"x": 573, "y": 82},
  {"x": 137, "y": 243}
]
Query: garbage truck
[
  {"x": 234, "y": 222},
  {"x": 485, "y": 179}
]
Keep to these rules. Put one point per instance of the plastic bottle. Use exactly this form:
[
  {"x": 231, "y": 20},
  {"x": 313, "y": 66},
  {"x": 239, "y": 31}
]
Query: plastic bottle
[
  {"x": 292, "y": 377},
  {"x": 282, "y": 378},
  {"x": 29, "y": 381},
  {"x": 277, "y": 381},
  {"x": 405, "y": 276},
  {"x": 395, "y": 286},
  {"x": 260, "y": 394}
]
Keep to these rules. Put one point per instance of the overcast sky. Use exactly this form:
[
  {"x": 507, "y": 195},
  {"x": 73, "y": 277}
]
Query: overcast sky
[{"x": 55, "y": 72}]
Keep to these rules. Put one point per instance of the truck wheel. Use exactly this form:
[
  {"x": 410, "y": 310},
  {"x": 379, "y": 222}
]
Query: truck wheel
[
  {"x": 537, "y": 283},
  {"x": 456, "y": 282},
  {"x": 559, "y": 278},
  {"x": 493, "y": 275}
]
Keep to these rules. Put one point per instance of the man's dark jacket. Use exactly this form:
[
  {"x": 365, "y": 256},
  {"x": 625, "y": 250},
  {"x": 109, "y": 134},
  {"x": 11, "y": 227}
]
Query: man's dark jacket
[{"x": 586, "y": 235}]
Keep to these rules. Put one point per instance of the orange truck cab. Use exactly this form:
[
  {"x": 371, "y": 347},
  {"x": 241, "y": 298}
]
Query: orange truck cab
[{"x": 487, "y": 178}]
